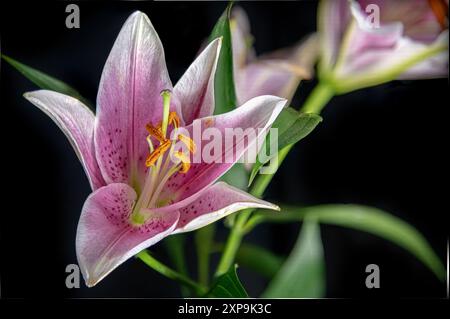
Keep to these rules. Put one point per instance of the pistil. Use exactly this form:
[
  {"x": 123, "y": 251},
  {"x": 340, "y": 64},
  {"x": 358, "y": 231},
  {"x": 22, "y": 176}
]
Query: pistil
[
  {"x": 166, "y": 109},
  {"x": 160, "y": 168}
]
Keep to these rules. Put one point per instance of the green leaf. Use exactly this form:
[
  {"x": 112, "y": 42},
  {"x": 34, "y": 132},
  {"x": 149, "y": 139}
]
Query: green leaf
[
  {"x": 225, "y": 95},
  {"x": 371, "y": 220},
  {"x": 224, "y": 90},
  {"x": 45, "y": 81},
  {"x": 228, "y": 286},
  {"x": 292, "y": 127},
  {"x": 259, "y": 259},
  {"x": 303, "y": 273}
]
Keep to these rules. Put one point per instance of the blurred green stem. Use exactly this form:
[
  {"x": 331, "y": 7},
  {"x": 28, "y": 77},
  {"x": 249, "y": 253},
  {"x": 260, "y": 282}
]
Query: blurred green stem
[
  {"x": 316, "y": 101},
  {"x": 175, "y": 250},
  {"x": 150, "y": 261},
  {"x": 318, "y": 98},
  {"x": 203, "y": 242}
]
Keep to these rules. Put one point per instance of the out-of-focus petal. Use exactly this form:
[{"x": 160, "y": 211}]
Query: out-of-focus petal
[
  {"x": 278, "y": 73},
  {"x": 241, "y": 38},
  {"x": 434, "y": 67},
  {"x": 333, "y": 19},
  {"x": 372, "y": 55},
  {"x": 419, "y": 21}
]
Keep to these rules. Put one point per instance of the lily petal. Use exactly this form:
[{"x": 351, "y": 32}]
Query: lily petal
[
  {"x": 417, "y": 16},
  {"x": 195, "y": 89},
  {"x": 76, "y": 120},
  {"x": 241, "y": 39},
  {"x": 216, "y": 202},
  {"x": 278, "y": 73},
  {"x": 105, "y": 237},
  {"x": 371, "y": 54},
  {"x": 333, "y": 18},
  {"x": 129, "y": 97},
  {"x": 433, "y": 67},
  {"x": 364, "y": 44},
  {"x": 258, "y": 113}
]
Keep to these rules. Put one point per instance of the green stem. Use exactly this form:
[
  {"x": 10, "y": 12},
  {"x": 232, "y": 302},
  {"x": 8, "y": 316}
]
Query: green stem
[
  {"x": 150, "y": 261},
  {"x": 175, "y": 250},
  {"x": 318, "y": 98},
  {"x": 233, "y": 242},
  {"x": 203, "y": 242},
  {"x": 263, "y": 180},
  {"x": 314, "y": 104}
]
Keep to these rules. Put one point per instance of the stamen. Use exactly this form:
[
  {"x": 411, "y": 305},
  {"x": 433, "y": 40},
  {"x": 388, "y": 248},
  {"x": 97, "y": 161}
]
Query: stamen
[
  {"x": 155, "y": 132},
  {"x": 185, "y": 161},
  {"x": 162, "y": 168},
  {"x": 160, "y": 187},
  {"x": 174, "y": 119},
  {"x": 188, "y": 142},
  {"x": 157, "y": 153},
  {"x": 440, "y": 10},
  {"x": 150, "y": 143}
]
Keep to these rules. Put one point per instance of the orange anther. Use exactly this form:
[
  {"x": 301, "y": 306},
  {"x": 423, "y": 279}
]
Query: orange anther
[
  {"x": 185, "y": 162},
  {"x": 174, "y": 119},
  {"x": 188, "y": 142},
  {"x": 440, "y": 10},
  {"x": 155, "y": 132},
  {"x": 157, "y": 153}
]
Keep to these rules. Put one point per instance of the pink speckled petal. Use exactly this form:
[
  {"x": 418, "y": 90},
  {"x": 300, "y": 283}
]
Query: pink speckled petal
[
  {"x": 105, "y": 237},
  {"x": 258, "y": 113},
  {"x": 76, "y": 120},
  {"x": 129, "y": 97},
  {"x": 195, "y": 89},
  {"x": 214, "y": 203}
]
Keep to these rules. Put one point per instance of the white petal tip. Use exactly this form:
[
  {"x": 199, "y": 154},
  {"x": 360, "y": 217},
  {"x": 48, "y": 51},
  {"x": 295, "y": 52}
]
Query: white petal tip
[{"x": 91, "y": 283}]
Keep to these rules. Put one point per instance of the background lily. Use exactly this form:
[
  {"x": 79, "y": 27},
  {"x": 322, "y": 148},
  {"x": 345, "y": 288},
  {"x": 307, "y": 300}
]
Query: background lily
[
  {"x": 411, "y": 42},
  {"x": 139, "y": 194},
  {"x": 278, "y": 73}
]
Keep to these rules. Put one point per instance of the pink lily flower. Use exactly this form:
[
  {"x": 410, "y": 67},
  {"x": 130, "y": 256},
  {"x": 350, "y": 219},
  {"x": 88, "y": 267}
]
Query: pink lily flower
[
  {"x": 410, "y": 42},
  {"x": 277, "y": 73},
  {"x": 140, "y": 195}
]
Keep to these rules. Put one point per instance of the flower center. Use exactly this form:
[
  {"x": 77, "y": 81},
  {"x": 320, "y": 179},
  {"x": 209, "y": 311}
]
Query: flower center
[{"x": 163, "y": 161}]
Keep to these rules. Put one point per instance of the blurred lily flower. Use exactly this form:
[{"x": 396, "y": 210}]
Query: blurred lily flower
[
  {"x": 408, "y": 40},
  {"x": 140, "y": 195},
  {"x": 278, "y": 73}
]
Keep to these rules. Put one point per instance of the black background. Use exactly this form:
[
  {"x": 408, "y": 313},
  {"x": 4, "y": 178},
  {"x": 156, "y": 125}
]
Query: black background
[{"x": 384, "y": 146}]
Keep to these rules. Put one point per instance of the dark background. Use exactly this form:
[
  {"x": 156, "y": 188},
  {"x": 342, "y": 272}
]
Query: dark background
[{"x": 384, "y": 146}]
